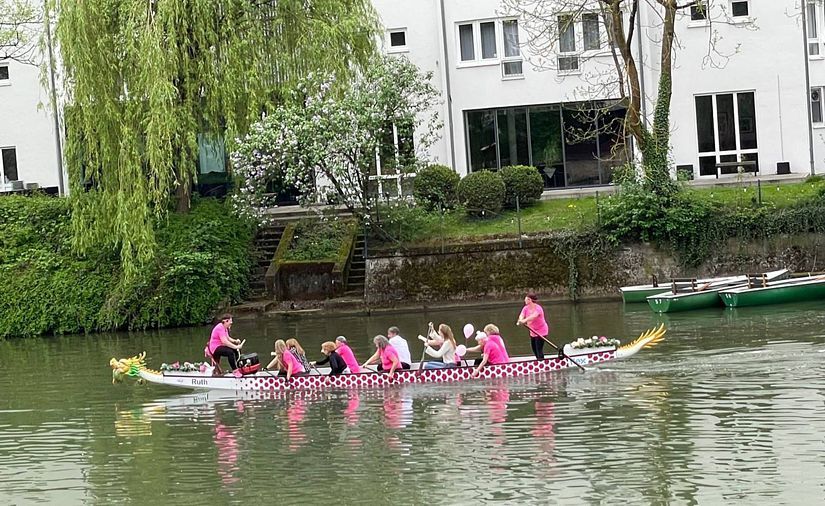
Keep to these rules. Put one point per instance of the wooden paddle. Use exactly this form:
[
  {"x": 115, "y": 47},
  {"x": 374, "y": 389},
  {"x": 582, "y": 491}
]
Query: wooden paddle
[{"x": 561, "y": 352}]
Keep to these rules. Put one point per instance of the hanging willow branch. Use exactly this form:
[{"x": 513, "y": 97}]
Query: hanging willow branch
[{"x": 144, "y": 77}]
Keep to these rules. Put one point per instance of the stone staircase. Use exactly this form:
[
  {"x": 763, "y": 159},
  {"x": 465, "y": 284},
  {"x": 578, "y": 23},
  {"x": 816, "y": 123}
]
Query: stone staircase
[
  {"x": 357, "y": 271},
  {"x": 266, "y": 242}
]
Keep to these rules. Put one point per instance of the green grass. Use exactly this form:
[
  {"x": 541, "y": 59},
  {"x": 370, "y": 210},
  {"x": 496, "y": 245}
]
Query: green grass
[
  {"x": 574, "y": 214},
  {"x": 772, "y": 194}
]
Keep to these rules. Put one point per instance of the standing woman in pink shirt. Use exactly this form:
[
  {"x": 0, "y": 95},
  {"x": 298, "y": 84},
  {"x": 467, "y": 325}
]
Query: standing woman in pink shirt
[
  {"x": 532, "y": 317},
  {"x": 221, "y": 345}
]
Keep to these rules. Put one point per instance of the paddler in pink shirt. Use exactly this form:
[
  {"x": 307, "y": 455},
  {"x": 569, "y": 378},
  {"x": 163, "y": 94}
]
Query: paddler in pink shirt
[
  {"x": 287, "y": 363},
  {"x": 343, "y": 349},
  {"x": 494, "y": 353},
  {"x": 532, "y": 317},
  {"x": 387, "y": 355},
  {"x": 221, "y": 345}
]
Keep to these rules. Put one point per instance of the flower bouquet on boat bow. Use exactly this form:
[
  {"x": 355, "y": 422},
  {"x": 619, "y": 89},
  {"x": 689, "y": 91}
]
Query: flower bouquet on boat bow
[{"x": 582, "y": 346}]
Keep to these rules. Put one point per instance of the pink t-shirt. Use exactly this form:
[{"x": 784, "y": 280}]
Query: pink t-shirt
[
  {"x": 386, "y": 357},
  {"x": 349, "y": 358},
  {"x": 216, "y": 339},
  {"x": 538, "y": 327},
  {"x": 289, "y": 358},
  {"x": 495, "y": 353},
  {"x": 498, "y": 340}
]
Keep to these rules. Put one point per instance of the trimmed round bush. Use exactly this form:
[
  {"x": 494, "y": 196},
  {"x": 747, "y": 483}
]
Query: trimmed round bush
[
  {"x": 482, "y": 193},
  {"x": 436, "y": 186},
  {"x": 521, "y": 181}
]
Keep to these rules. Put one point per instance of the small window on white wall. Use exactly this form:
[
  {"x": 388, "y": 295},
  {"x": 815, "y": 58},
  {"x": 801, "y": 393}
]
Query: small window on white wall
[
  {"x": 739, "y": 8},
  {"x": 4, "y": 74},
  {"x": 812, "y": 11},
  {"x": 398, "y": 40},
  {"x": 511, "y": 64},
  {"x": 816, "y": 106}
]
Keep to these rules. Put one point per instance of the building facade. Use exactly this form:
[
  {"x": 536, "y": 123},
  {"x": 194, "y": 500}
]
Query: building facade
[
  {"x": 748, "y": 85},
  {"x": 740, "y": 86}
]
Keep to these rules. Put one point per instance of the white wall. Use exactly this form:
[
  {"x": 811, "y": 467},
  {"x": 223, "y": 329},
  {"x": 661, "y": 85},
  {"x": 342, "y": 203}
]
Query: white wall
[{"x": 28, "y": 126}]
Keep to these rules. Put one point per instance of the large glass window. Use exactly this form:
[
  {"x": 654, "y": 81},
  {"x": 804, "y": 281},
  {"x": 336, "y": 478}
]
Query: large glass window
[
  {"x": 481, "y": 135},
  {"x": 582, "y": 151},
  {"x": 726, "y": 133}
]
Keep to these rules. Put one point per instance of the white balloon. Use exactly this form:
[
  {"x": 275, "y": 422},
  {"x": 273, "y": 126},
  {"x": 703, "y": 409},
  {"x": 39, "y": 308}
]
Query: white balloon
[
  {"x": 460, "y": 350},
  {"x": 468, "y": 330}
]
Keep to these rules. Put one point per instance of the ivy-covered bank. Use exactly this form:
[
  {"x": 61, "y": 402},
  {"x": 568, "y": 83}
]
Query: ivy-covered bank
[{"x": 202, "y": 262}]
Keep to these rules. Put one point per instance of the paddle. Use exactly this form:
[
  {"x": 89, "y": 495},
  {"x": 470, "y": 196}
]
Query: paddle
[{"x": 561, "y": 352}]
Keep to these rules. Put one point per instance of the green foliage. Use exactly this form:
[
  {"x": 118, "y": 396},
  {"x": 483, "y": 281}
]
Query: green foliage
[
  {"x": 318, "y": 240},
  {"x": 523, "y": 182},
  {"x": 482, "y": 193},
  {"x": 144, "y": 78},
  {"x": 402, "y": 222},
  {"x": 436, "y": 187},
  {"x": 202, "y": 261}
]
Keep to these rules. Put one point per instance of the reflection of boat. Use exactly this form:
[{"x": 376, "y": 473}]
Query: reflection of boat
[
  {"x": 518, "y": 366},
  {"x": 775, "y": 292},
  {"x": 702, "y": 296},
  {"x": 640, "y": 293}
]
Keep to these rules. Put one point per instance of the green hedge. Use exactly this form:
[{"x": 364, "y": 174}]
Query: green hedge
[
  {"x": 202, "y": 261},
  {"x": 521, "y": 181},
  {"x": 482, "y": 193},
  {"x": 436, "y": 187}
]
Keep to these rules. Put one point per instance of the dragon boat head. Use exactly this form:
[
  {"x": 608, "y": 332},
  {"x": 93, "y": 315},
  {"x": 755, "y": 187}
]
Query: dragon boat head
[
  {"x": 127, "y": 367},
  {"x": 647, "y": 339}
]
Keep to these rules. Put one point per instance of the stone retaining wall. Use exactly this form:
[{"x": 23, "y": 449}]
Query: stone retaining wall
[{"x": 501, "y": 268}]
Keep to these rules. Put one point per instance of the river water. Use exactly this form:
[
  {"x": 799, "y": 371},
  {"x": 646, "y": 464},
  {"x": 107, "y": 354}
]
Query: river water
[{"x": 730, "y": 408}]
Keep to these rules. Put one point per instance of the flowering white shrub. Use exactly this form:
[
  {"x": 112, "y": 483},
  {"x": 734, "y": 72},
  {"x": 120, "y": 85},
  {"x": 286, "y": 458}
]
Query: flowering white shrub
[{"x": 327, "y": 139}]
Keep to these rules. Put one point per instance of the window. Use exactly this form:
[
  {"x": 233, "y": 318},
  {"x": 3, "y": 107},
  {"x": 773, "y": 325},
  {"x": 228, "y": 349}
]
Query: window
[
  {"x": 511, "y": 65},
  {"x": 726, "y": 131},
  {"x": 590, "y": 27},
  {"x": 812, "y": 17},
  {"x": 739, "y": 8},
  {"x": 465, "y": 37},
  {"x": 816, "y": 105},
  {"x": 398, "y": 40},
  {"x": 4, "y": 74},
  {"x": 567, "y": 35},
  {"x": 8, "y": 165},
  {"x": 567, "y": 44},
  {"x": 698, "y": 12},
  {"x": 488, "y": 40}
]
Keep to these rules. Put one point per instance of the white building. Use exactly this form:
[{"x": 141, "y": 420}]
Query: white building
[
  {"x": 27, "y": 129},
  {"x": 741, "y": 90}
]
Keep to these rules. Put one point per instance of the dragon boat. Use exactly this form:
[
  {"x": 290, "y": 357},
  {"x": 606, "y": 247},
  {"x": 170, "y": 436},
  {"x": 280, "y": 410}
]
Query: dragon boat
[{"x": 319, "y": 379}]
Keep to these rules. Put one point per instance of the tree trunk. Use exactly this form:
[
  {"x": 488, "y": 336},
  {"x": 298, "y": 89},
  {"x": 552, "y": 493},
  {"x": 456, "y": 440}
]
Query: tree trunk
[{"x": 183, "y": 193}]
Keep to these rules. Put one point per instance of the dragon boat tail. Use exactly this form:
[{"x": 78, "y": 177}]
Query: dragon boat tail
[{"x": 319, "y": 379}]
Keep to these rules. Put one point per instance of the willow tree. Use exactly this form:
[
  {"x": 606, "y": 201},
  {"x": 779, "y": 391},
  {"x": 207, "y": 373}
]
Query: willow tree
[
  {"x": 145, "y": 77},
  {"x": 20, "y": 24}
]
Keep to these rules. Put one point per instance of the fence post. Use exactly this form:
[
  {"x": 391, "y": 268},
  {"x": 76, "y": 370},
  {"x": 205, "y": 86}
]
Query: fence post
[
  {"x": 759, "y": 191},
  {"x": 441, "y": 214},
  {"x": 598, "y": 212},
  {"x": 518, "y": 220}
]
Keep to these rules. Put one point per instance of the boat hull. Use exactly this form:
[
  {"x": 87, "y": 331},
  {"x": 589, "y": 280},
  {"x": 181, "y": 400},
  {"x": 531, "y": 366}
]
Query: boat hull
[
  {"x": 775, "y": 295},
  {"x": 633, "y": 295},
  {"x": 685, "y": 302},
  {"x": 267, "y": 381}
]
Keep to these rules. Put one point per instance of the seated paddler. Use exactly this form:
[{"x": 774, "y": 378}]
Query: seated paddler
[{"x": 222, "y": 345}]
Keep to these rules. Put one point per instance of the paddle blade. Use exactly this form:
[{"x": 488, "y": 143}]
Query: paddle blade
[
  {"x": 460, "y": 350},
  {"x": 468, "y": 330}
]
